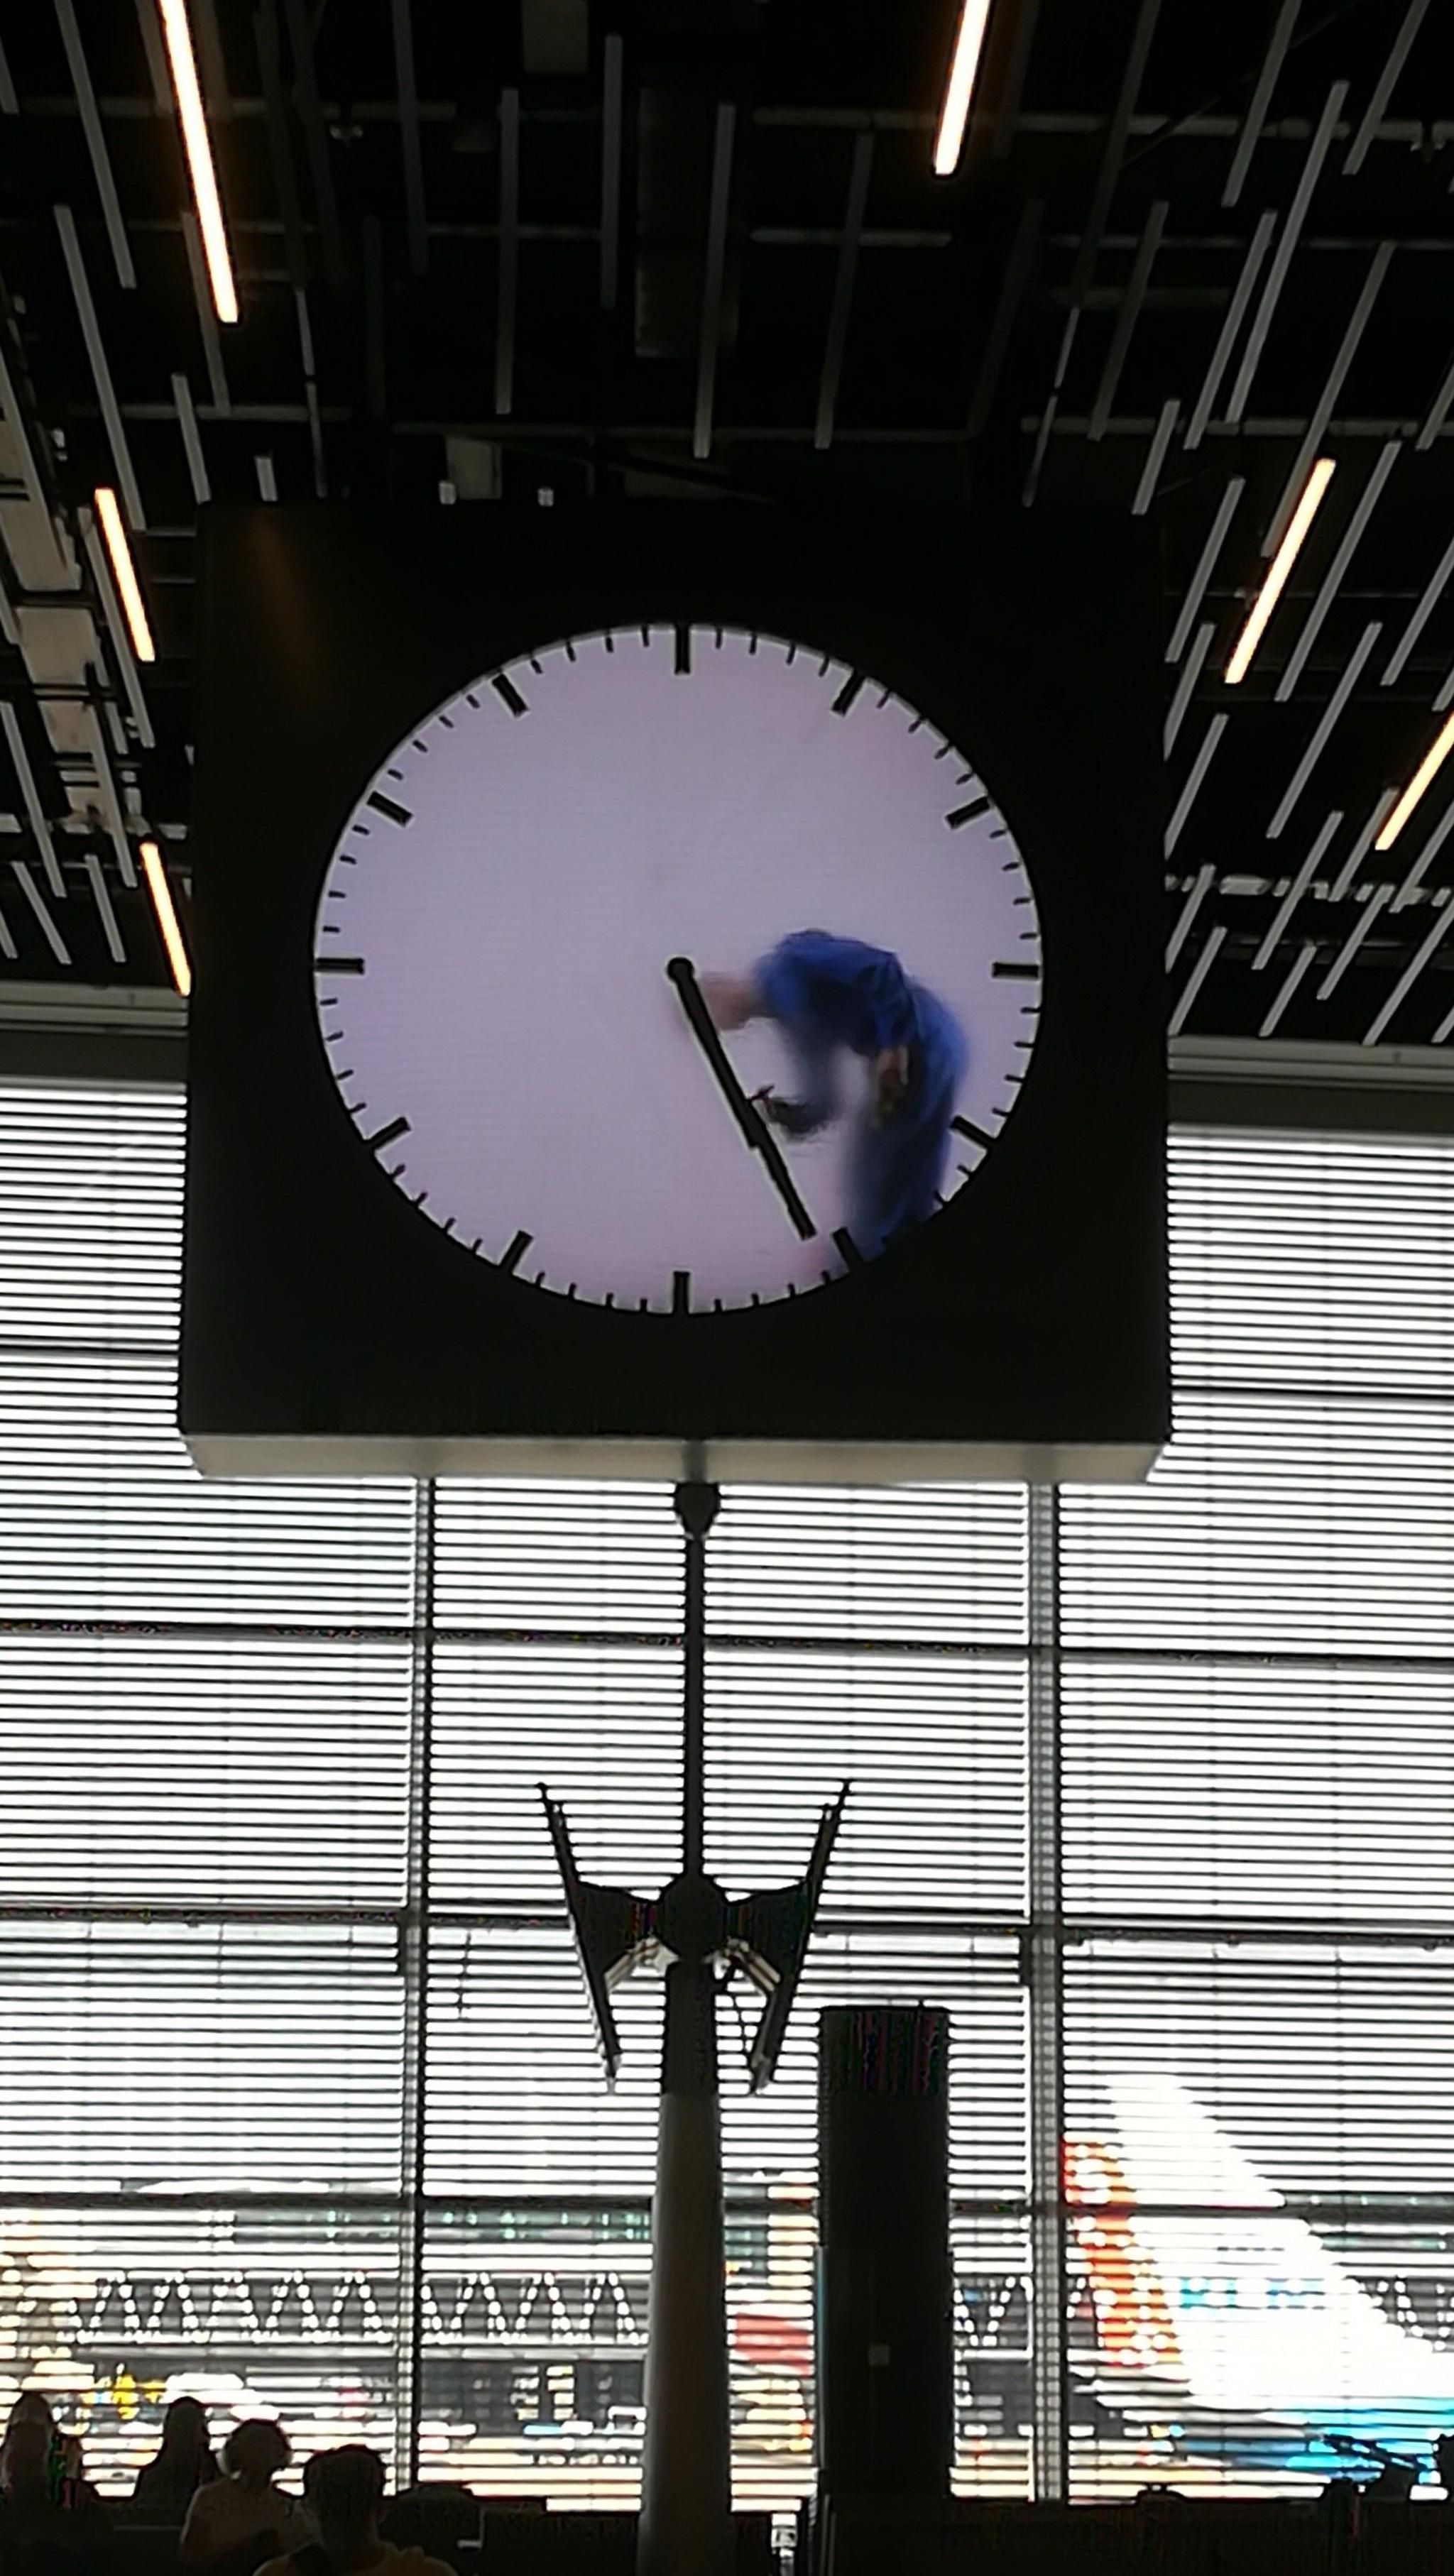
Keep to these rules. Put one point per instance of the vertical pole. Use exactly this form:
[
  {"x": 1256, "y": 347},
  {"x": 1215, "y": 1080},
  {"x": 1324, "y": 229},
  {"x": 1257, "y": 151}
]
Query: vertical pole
[
  {"x": 414, "y": 1969},
  {"x": 686, "y": 2470},
  {"x": 1042, "y": 1975},
  {"x": 696, "y": 1509}
]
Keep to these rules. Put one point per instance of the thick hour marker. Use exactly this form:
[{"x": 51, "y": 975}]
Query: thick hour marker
[
  {"x": 338, "y": 966},
  {"x": 1011, "y": 968},
  {"x": 505, "y": 689},
  {"x": 851, "y": 1256},
  {"x": 848, "y": 693},
  {"x": 385, "y": 805},
  {"x": 683, "y": 660},
  {"x": 969, "y": 813},
  {"x": 518, "y": 1245},
  {"x": 385, "y": 1135},
  {"x": 976, "y": 1135},
  {"x": 681, "y": 1292}
]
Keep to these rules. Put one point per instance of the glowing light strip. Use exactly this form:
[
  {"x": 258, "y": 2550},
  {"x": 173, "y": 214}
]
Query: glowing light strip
[
  {"x": 954, "y": 116},
  {"x": 1279, "y": 568},
  {"x": 166, "y": 913},
  {"x": 199, "y": 156},
  {"x": 128, "y": 588},
  {"x": 1428, "y": 768}
]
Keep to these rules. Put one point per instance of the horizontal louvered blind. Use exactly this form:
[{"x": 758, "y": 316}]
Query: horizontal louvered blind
[
  {"x": 212, "y": 1701},
  {"x": 1257, "y": 1689},
  {"x": 206, "y": 1697}
]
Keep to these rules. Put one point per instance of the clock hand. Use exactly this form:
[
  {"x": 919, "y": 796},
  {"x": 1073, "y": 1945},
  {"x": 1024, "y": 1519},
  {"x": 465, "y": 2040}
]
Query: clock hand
[{"x": 749, "y": 1117}]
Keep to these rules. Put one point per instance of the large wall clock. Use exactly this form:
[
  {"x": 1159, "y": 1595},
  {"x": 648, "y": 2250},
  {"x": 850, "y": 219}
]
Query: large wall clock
[
  {"x": 676, "y": 984},
  {"x": 558, "y": 883}
]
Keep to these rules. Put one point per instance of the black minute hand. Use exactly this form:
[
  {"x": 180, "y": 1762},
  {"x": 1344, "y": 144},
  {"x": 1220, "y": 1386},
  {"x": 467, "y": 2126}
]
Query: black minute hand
[{"x": 755, "y": 1130}]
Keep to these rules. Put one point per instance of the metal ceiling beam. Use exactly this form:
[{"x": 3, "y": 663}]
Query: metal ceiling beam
[
  {"x": 1312, "y": 626},
  {"x": 1287, "y": 244},
  {"x": 1135, "y": 296},
  {"x": 1145, "y": 491},
  {"x": 106, "y": 911},
  {"x": 1323, "y": 408},
  {"x": 1425, "y": 860},
  {"x": 1373, "y": 906},
  {"x": 206, "y": 314},
  {"x": 1116, "y": 140},
  {"x": 836, "y": 343},
  {"x": 409, "y": 137},
  {"x": 1293, "y": 978},
  {"x": 1190, "y": 673},
  {"x": 96, "y": 142},
  {"x": 711, "y": 334},
  {"x": 1414, "y": 970},
  {"x": 315, "y": 135},
  {"x": 1201, "y": 887},
  {"x": 191, "y": 440},
  {"x": 1419, "y": 616},
  {"x": 1258, "y": 104},
  {"x": 1197, "y": 586},
  {"x": 42, "y": 911},
  {"x": 1007, "y": 304},
  {"x": 1372, "y": 116},
  {"x": 1194, "y": 777},
  {"x": 1210, "y": 951},
  {"x": 1296, "y": 890},
  {"x": 1438, "y": 411},
  {"x": 100, "y": 370},
  {"x": 508, "y": 257},
  {"x": 611, "y": 133},
  {"x": 1322, "y": 733},
  {"x": 40, "y": 831},
  {"x": 1226, "y": 338}
]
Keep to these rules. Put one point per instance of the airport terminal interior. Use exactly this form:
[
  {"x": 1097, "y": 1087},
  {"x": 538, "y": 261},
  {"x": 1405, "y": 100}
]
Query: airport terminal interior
[{"x": 727, "y": 1076}]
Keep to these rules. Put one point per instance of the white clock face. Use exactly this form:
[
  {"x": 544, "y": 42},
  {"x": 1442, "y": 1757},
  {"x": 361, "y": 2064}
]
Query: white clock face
[{"x": 677, "y": 968}]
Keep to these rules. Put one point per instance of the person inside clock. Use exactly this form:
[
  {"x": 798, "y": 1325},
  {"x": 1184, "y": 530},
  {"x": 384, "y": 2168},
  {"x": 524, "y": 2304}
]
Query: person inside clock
[{"x": 833, "y": 997}]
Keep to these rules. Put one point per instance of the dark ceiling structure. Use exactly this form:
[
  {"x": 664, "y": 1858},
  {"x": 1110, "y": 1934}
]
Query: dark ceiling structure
[{"x": 559, "y": 251}]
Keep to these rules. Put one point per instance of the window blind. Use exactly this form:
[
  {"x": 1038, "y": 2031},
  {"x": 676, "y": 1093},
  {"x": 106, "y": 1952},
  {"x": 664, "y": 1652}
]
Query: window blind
[{"x": 227, "y": 2044}]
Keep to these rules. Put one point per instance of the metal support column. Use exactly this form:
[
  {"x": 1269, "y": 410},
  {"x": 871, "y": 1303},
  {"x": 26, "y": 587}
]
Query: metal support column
[
  {"x": 686, "y": 2473},
  {"x": 1042, "y": 1976},
  {"x": 414, "y": 1969}
]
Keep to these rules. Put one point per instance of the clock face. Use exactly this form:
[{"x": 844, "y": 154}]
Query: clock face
[{"x": 677, "y": 968}]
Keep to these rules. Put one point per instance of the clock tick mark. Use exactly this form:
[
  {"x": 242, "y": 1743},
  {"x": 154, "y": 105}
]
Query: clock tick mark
[
  {"x": 471, "y": 700},
  {"x": 508, "y": 694},
  {"x": 852, "y": 1257},
  {"x": 385, "y": 1135},
  {"x": 681, "y": 1292},
  {"x": 518, "y": 1245},
  {"x": 970, "y": 813},
  {"x": 391, "y": 812},
  {"x": 683, "y": 660},
  {"x": 338, "y": 965},
  {"x": 848, "y": 693},
  {"x": 1017, "y": 970},
  {"x": 976, "y": 1135},
  {"x": 1001, "y": 832}
]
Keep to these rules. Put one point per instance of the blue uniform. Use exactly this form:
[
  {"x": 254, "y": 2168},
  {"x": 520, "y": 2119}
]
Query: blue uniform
[{"x": 829, "y": 994}]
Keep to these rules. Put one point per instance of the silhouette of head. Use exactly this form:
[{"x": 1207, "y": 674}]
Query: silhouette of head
[
  {"x": 184, "y": 2429},
  {"x": 345, "y": 2487},
  {"x": 256, "y": 2451}
]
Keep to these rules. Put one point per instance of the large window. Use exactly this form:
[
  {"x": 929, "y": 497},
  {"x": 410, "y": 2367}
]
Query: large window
[{"x": 1154, "y": 1789}]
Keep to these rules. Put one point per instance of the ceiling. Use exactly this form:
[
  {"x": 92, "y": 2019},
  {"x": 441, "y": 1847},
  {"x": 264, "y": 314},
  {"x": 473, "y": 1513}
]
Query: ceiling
[{"x": 557, "y": 249}]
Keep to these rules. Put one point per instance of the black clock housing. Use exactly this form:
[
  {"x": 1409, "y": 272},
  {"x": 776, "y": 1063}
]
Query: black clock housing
[{"x": 329, "y": 1327}]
